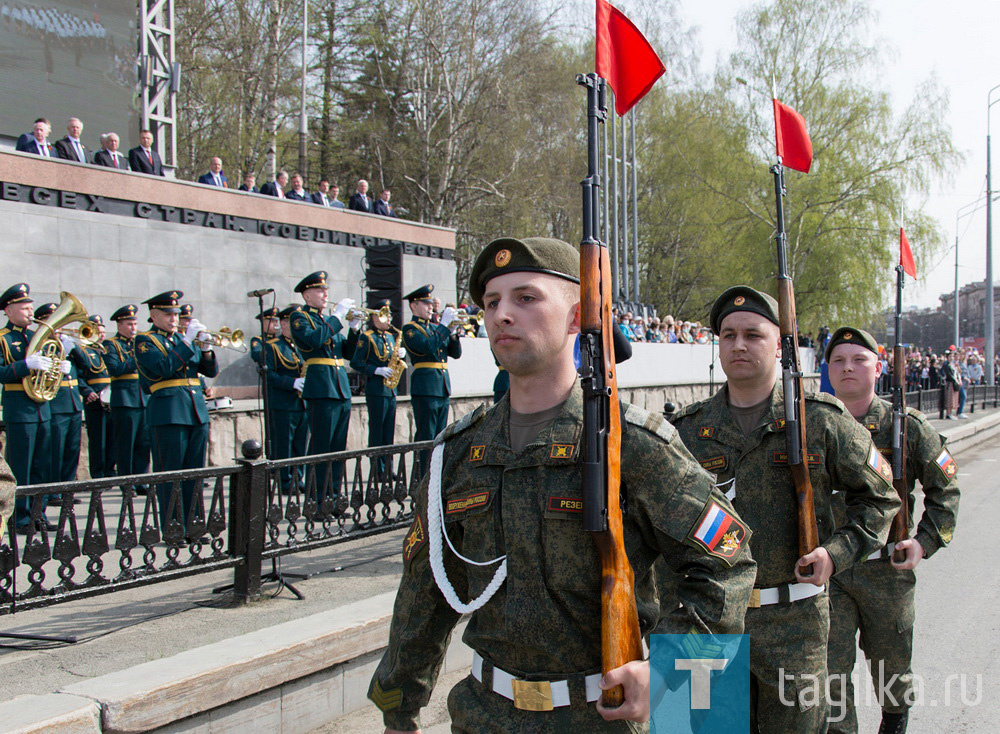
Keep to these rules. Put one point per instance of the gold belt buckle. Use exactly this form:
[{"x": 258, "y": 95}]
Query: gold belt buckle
[
  {"x": 754, "y": 600},
  {"x": 532, "y": 695}
]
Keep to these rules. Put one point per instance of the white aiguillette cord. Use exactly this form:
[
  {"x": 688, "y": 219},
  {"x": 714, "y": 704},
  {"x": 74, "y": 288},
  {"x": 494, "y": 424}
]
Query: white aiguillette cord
[{"x": 435, "y": 531}]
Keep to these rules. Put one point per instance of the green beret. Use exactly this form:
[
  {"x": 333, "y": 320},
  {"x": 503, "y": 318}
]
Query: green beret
[
  {"x": 742, "y": 298},
  {"x": 531, "y": 254},
  {"x": 850, "y": 335}
]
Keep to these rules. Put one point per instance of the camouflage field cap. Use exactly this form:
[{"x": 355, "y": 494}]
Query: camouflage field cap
[
  {"x": 531, "y": 254},
  {"x": 742, "y": 298},
  {"x": 850, "y": 335}
]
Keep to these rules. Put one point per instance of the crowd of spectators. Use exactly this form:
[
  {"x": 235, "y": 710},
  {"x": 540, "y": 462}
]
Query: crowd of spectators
[
  {"x": 144, "y": 159},
  {"x": 667, "y": 330}
]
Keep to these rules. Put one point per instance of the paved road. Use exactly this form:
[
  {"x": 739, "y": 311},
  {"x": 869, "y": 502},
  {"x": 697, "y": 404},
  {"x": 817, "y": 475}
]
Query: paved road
[{"x": 957, "y": 629}]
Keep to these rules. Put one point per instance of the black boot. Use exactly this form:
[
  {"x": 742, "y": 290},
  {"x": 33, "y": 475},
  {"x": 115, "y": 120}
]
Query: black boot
[{"x": 894, "y": 723}]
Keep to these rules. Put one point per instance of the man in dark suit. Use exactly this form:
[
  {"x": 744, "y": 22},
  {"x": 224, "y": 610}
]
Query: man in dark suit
[
  {"x": 359, "y": 199},
  {"x": 382, "y": 205},
  {"x": 298, "y": 191},
  {"x": 277, "y": 186},
  {"x": 71, "y": 148},
  {"x": 250, "y": 183},
  {"x": 322, "y": 197},
  {"x": 108, "y": 156},
  {"x": 215, "y": 176},
  {"x": 38, "y": 142},
  {"x": 143, "y": 158}
]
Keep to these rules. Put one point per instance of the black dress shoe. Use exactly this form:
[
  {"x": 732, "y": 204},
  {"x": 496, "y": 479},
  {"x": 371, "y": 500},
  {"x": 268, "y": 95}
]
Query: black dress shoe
[{"x": 894, "y": 723}]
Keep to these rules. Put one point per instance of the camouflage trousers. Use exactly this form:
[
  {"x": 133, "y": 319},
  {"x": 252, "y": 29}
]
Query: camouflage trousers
[
  {"x": 788, "y": 665},
  {"x": 476, "y": 709},
  {"x": 874, "y": 598}
]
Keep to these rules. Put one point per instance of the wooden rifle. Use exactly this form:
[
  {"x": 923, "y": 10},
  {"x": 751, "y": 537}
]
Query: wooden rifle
[
  {"x": 791, "y": 383},
  {"x": 901, "y": 523},
  {"x": 602, "y": 431}
]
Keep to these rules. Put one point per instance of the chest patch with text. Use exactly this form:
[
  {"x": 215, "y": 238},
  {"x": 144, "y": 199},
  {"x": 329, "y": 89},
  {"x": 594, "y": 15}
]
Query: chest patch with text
[{"x": 463, "y": 504}]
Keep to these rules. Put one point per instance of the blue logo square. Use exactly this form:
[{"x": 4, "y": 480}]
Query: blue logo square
[{"x": 700, "y": 684}]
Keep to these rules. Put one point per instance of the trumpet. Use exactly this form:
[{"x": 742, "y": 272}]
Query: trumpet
[
  {"x": 85, "y": 335},
  {"x": 465, "y": 318},
  {"x": 224, "y": 337},
  {"x": 384, "y": 313}
]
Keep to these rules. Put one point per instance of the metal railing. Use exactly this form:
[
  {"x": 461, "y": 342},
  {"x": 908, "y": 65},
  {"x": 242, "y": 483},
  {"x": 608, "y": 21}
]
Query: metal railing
[
  {"x": 930, "y": 401},
  {"x": 236, "y": 517}
]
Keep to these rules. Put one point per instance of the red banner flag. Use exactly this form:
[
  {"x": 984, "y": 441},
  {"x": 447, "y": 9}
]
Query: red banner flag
[
  {"x": 792, "y": 140},
  {"x": 906, "y": 255},
  {"x": 624, "y": 57}
]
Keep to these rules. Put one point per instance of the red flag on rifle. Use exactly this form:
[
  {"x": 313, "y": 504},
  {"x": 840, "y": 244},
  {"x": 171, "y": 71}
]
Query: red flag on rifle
[
  {"x": 624, "y": 57},
  {"x": 906, "y": 255},
  {"x": 792, "y": 141}
]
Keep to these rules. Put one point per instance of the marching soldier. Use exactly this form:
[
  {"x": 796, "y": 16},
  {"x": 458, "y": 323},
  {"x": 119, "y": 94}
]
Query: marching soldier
[
  {"x": 66, "y": 408},
  {"x": 429, "y": 346},
  {"x": 287, "y": 411},
  {"x": 875, "y": 597},
  {"x": 374, "y": 354},
  {"x": 128, "y": 400},
  {"x": 27, "y": 422},
  {"x": 184, "y": 317},
  {"x": 738, "y": 434},
  {"x": 271, "y": 330},
  {"x": 327, "y": 391},
  {"x": 169, "y": 366},
  {"x": 94, "y": 379}
]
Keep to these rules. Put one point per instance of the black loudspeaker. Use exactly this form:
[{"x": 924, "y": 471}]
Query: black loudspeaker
[{"x": 384, "y": 279}]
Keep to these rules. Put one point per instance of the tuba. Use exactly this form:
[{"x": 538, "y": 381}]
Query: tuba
[{"x": 42, "y": 385}]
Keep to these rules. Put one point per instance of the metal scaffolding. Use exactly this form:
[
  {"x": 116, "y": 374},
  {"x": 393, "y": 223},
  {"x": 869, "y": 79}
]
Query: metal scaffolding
[{"x": 159, "y": 76}]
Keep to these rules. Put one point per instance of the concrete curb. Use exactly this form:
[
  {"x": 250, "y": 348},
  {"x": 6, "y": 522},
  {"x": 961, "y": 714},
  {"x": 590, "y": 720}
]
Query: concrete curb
[{"x": 966, "y": 435}]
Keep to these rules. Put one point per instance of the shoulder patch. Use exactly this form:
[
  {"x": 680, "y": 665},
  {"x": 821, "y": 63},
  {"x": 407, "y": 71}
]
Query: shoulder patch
[
  {"x": 825, "y": 397},
  {"x": 415, "y": 539},
  {"x": 946, "y": 464},
  {"x": 877, "y": 463},
  {"x": 652, "y": 422},
  {"x": 719, "y": 532},
  {"x": 463, "y": 423}
]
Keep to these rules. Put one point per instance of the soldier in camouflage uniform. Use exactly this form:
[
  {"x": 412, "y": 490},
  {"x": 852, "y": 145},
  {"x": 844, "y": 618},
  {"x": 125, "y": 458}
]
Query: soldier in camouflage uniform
[
  {"x": 738, "y": 434},
  {"x": 876, "y": 597},
  {"x": 512, "y": 496}
]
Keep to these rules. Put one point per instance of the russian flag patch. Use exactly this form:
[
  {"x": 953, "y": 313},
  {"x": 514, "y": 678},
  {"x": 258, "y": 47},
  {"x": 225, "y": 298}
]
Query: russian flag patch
[
  {"x": 879, "y": 464},
  {"x": 946, "y": 464},
  {"x": 719, "y": 532}
]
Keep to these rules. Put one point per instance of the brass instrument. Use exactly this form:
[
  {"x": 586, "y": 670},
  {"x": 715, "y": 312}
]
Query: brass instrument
[
  {"x": 465, "y": 318},
  {"x": 224, "y": 337},
  {"x": 396, "y": 363},
  {"x": 356, "y": 313},
  {"x": 42, "y": 385},
  {"x": 86, "y": 335}
]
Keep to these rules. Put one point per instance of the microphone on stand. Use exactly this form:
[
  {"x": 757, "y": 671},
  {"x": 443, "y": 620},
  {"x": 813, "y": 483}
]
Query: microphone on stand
[{"x": 260, "y": 292}]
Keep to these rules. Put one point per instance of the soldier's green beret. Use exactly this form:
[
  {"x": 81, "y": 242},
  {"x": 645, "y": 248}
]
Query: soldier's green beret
[
  {"x": 313, "y": 280},
  {"x": 17, "y": 293},
  {"x": 422, "y": 293},
  {"x": 850, "y": 335},
  {"x": 742, "y": 298},
  {"x": 125, "y": 312},
  {"x": 531, "y": 254},
  {"x": 168, "y": 301}
]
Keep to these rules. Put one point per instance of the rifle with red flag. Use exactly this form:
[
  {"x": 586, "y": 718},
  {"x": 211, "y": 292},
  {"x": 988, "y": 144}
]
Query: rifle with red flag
[
  {"x": 901, "y": 523},
  {"x": 632, "y": 67},
  {"x": 794, "y": 149}
]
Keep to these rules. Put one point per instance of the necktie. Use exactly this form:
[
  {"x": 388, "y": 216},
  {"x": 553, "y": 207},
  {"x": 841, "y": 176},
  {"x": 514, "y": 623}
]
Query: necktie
[
  {"x": 114, "y": 157},
  {"x": 43, "y": 149},
  {"x": 149, "y": 154},
  {"x": 79, "y": 151},
  {"x": 217, "y": 181}
]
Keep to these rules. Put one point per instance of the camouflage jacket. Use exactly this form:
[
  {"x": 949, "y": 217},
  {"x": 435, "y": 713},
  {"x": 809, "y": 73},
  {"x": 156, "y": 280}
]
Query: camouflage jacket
[
  {"x": 545, "y": 618},
  {"x": 841, "y": 458},
  {"x": 928, "y": 460}
]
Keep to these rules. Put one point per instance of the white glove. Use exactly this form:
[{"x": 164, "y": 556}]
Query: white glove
[
  {"x": 383, "y": 371},
  {"x": 299, "y": 383},
  {"x": 38, "y": 362},
  {"x": 203, "y": 337},
  {"x": 341, "y": 309},
  {"x": 194, "y": 327},
  {"x": 401, "y": 352},
  {"x": 448, "y": 316},
  {"x": 67, "y": 343},
  {"x": 65, "y": 367},
  {"x": 355, "y": 324}
]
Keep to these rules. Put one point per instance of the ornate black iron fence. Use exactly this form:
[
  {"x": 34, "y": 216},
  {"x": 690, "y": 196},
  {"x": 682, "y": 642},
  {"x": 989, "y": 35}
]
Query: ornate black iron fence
[{"x": 173, "y": 524}]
